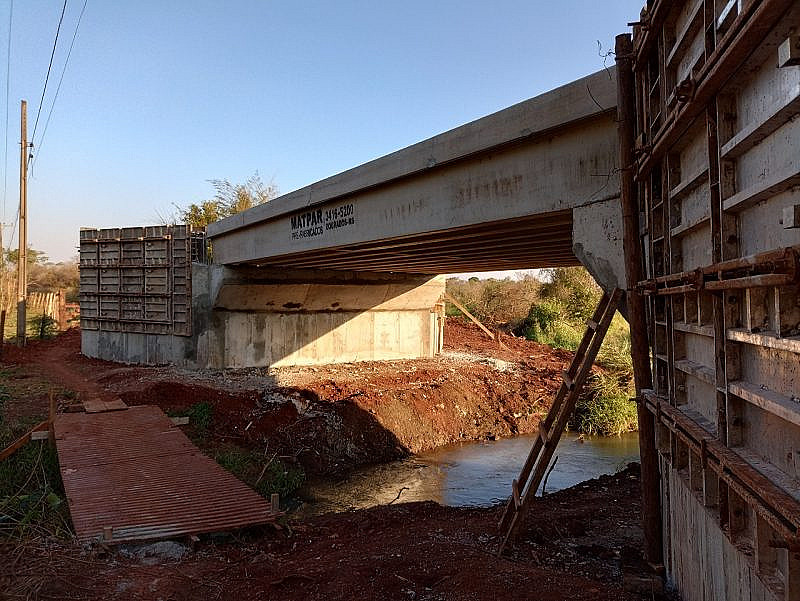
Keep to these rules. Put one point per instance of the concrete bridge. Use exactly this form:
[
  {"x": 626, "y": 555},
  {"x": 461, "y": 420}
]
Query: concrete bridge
[
  {"x": 531, "y": 186},
  {"x": 347, "y": 269}
]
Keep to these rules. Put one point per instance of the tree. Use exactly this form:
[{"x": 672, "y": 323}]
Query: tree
[
  {"x": 229, "y": 199},
  {"x": 34, "y": 257}
]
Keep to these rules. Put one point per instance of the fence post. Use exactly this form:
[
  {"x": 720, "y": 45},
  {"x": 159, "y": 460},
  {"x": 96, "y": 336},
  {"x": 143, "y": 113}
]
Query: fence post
[{"x": 61, "y": 310}]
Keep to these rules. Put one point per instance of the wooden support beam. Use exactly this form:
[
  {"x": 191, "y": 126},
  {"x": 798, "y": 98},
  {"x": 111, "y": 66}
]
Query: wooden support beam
[
  {"x": 634, "y": 272},
  {"x": 474, "y": 319},
  {"x": 22, "y": 441}
]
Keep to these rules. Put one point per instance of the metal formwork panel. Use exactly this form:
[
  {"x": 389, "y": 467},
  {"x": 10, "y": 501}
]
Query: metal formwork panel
[
  {"x": 718, "y": 171},
  {"x": 136, "y": 279},
  {"x": 109, "y": 280}
]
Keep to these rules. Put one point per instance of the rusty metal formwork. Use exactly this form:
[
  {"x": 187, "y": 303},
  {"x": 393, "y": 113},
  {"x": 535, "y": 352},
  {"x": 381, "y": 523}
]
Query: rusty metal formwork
[
  {"x": 133, "y": 475},
  {"x": 718, "y": 172},
  {"x": 137, "y": 279}
]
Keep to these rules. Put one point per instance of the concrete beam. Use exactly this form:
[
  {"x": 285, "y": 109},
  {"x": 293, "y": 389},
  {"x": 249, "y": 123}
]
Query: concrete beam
[{"x": 526, "y": 167}]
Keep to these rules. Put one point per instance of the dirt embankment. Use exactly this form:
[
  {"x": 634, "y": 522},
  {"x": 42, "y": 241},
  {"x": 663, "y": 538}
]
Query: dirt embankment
[
  {"x": 579, "y": 544},
  {"x": 331, "y": 418}
]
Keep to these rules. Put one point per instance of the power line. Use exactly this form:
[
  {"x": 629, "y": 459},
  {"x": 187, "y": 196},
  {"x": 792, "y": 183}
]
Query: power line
[
  {"x": 8, "y": 85},
  {"x": 58, "y": 88},
  {"x": 49, "y": 67},
  {"x": 13, "y": 231}
]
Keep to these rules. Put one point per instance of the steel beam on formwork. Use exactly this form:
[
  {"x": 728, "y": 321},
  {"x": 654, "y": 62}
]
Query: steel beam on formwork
[
  {"x": 780, "y": 509},
  {"x": 626, "y": 126}
]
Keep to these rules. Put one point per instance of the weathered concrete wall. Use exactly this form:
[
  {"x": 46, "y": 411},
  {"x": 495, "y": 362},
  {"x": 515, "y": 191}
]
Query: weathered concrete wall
[
  {"x": 261, "y": 318},
  {"x": 703, "y": 564}
]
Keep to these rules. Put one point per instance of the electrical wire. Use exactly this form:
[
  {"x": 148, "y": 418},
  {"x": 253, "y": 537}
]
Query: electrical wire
[
  {"x": 13, "y": 232},
  {"x": 8, "y": 84},
  {"x": 58, "y": 88},
  {"x": 49, "y": 67}
]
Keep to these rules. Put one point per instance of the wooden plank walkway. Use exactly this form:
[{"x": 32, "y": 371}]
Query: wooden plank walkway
[{"x": 132, "y": 474}]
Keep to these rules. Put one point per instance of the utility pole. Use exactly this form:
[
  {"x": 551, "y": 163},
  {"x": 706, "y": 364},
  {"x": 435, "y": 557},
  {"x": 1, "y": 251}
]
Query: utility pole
[{"x": 22, "y": 258}]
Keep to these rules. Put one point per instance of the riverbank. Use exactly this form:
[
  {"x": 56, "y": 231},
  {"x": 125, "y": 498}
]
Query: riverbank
[
  {"x": 324, "y": 420},
  {"x": 579, "y": 544},
  {"x": 467, "y": 474}
]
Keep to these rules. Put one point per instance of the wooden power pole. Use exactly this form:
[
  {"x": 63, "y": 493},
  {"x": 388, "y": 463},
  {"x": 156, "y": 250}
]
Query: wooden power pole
[{"x": 22, "y": 258}]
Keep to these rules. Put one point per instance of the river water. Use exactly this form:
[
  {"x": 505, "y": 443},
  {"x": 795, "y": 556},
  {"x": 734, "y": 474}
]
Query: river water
[{"x": 469, "y": 474}]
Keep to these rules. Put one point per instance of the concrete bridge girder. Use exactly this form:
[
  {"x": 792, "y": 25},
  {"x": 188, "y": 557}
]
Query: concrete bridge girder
[
  {"x": 347, "y": 268},
  {"x": 531, "y": 186}
]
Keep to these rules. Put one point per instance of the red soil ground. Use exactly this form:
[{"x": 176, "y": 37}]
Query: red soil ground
[
  {"x": 581, "y": 543},
  {"x": 330, "y": 418}
]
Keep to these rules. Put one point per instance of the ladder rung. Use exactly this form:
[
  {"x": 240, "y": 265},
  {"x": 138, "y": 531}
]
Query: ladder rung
[{"x": 570, "y": 383}]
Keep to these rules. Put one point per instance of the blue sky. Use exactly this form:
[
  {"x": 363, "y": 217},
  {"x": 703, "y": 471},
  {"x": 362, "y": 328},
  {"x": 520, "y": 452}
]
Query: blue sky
[{"x": 159, "y": 97}]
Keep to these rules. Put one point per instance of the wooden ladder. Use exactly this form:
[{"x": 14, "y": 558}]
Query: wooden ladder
[{"x": 524, "y": 489}]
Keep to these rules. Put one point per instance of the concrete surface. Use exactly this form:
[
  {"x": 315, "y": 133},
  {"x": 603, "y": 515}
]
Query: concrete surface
[{"x": 518, "y": 189}]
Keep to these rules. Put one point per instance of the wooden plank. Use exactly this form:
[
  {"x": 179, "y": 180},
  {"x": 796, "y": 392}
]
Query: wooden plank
[
  {"x": 770, "y": 186},
  {"x": 693, "y": 328},
  {"x": 474, "y": 319},
  {"x": 98, "y": 406},
  {"x": 766, "y": 339},
  {"x": 754, "y": 133},
  {"x": 115, "y": 405},
  {"x": 685, "y": 37},
  {"x": 689, "y": 184},
  {"x": 93, "y": 406},
  {"x": 777, "y": 404},
  {"x": 23, "y": 440},
  {"x": 697, "y": 370},
  {"x": 687, "y": 228}
]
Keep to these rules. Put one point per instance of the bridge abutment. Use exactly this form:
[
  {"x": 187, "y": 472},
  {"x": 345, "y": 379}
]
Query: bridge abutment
[{"x": 256, "y": 317}]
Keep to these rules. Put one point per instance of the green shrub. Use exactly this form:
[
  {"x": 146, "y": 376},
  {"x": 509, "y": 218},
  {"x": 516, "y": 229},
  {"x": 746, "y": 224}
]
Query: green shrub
[
  {"x": 547, "y": 324},
  {"x": 607, "y": 409},
  {"x": 615, "y": 353},
  {"x": 493, "y": 301},
  {"x": 32, "y": 500},
  {"x": 200, "y": 416},
  {"x": 264, "y": 474},
  {"x": 554, "y": 312},
  {"x": 540, "y": 321},
  {"x": 574, "y": 289},
  {"x": 565, "y": 336},
  {"x": 43, "y": 326}
]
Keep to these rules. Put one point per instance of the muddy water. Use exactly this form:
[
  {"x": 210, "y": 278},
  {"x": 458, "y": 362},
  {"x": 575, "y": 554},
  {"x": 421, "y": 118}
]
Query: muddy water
[{"x": 469, "y": 474}]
